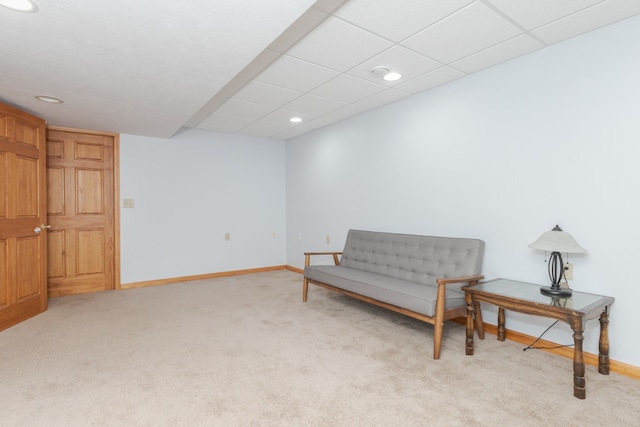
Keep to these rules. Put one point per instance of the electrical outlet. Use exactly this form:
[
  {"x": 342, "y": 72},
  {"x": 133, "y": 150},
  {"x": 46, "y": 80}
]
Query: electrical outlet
[
  {"x": 568, "y": 271},
  {"x": 328, "y": 240},
  {"x": 127, "y": 203},
  {"x": 227, "y": 236}
]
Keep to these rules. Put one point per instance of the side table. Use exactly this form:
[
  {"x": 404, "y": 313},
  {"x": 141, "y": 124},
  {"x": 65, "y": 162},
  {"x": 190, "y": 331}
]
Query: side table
[{"x": 526, "y": 298}]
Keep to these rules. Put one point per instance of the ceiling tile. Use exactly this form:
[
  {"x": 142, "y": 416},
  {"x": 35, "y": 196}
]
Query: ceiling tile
[
  {"x": 262, "y": 93},
  {"x": 312, "y": 105},
  {"x": 347, "y": 89},
  {"x": 296, "y": 74},
  {"x": 235, "y": 107},
  {"x": 326, "y": 45},
  {"x": 534, "y": 13},
  {"x": 385, "y": 18},
  {"x": 602, "y": 14},
  {"x": 265, "y": 128},
  {"x": 317, "y": 123},
  {"x": 429, "y": 80},
  {"x": 340, "y": 114},
  {"x": 382, "y": 98},
  {"x": 467, "y": 31},
  {"x": 293, "y": 132},
  {"x": 224, "y": 122},
  {"x": 343, "y": 113},
  {"x": 399, "y": 59},
  {"x": 282, "y": 116},
  {"x": 501, "y": 52}
]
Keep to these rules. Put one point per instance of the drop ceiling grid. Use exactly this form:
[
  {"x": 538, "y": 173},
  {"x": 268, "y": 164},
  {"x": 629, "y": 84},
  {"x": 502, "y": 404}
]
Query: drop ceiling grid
[
  {"x": 438, "y": 49},
  {"x": 310, "y": 56}
]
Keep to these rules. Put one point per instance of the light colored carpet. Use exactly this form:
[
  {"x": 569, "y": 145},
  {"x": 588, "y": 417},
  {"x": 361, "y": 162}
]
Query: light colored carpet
[{"x": 244, "y": 351}]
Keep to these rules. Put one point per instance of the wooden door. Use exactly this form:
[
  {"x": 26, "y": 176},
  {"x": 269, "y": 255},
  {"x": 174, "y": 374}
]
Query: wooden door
[
  {"x": 23, "y": 242},
  {"x": 81, "y": 207}
]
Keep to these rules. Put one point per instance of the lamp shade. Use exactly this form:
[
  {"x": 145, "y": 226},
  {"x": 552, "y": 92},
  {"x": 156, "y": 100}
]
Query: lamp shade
[{"x": 557, "y": 240}]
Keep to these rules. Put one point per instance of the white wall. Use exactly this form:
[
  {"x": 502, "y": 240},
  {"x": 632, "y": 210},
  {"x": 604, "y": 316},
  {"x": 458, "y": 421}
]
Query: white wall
[
  {"x": 192, "y": 189},
  {"x": 503, "y": 155}
]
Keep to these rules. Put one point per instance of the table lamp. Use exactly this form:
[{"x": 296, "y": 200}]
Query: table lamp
[{"x": 557, "y": 241}]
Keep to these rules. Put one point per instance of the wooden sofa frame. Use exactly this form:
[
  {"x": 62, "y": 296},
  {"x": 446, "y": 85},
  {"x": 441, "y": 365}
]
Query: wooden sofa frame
[{"x": 437, "y": 321}]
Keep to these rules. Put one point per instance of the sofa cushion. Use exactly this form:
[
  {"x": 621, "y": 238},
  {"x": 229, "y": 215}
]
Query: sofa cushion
[
  {"x": 402, "y": 293},
  {"x": 412, "y": 258}
]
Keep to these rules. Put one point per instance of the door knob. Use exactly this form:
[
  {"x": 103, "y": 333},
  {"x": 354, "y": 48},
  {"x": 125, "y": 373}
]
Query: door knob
[{"x": 41, "y": 227}]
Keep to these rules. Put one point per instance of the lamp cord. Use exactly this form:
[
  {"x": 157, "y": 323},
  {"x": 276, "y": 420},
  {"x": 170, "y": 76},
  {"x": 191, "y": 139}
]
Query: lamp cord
[{"x": 531, "y": 346}]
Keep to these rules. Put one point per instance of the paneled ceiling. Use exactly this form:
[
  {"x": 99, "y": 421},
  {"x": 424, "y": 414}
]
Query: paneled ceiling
[{"x": 155, "y": 67}]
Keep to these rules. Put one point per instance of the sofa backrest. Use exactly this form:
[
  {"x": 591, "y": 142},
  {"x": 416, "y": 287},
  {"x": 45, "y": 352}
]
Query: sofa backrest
[{"x": 419, "y": 259}]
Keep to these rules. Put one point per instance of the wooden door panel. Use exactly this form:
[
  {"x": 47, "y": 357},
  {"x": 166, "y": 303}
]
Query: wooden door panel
[
  {"x": 69, "y": 254},
  {"x": 90, "y": 252},
  {"x": 55, "y": 191},
  {"x": 23, "y": 287},
  {"x": 55, "y": 250},
  {"x": 55, "y": 149},
  {"x": 4, "y": 208},
  {"x": 26, "y": 133},
  {"x": 4, "y": 125},
  {"x": 4, "y": 270},
  {"x": 82, "y": 211},
  {"x": 27, "y": 194},
  {"x": 27, "y": 277},
  {"x": 89, "y": 151},
  {"x": 89, "y": 192}
]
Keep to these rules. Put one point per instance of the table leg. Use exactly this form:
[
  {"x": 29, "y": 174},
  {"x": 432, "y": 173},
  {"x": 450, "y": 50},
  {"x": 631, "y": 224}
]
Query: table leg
[
  {"x": 502, "y": 332},
  {"x": 578, "y": 361},
  {"x": 477, "y": 314},
  {"x": 469, "y": 342},
  {"x": 603, "y": 356}
]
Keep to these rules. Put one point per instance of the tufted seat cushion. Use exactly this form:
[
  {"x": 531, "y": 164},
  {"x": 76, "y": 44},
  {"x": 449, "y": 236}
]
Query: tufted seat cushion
[{"x": 398, "y": 292}]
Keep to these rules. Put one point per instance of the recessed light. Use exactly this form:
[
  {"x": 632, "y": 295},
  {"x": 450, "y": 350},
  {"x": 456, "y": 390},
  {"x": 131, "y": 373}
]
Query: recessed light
[
  {"x": 20, "y": 5},
  {"x": 385, "y": 73},
  {"x": 49, "y": 99},
  {"x": 392, "y": 76},
  {"x": 295, "y": 120},
  {"x": 380, "y": 71}
]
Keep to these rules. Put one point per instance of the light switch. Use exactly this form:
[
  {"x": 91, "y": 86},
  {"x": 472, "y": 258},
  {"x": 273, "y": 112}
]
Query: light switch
[{"x": 127, "y": 203}]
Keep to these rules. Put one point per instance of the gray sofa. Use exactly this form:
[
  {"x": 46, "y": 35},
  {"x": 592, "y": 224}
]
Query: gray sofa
[{"x": 419, "y": 276}]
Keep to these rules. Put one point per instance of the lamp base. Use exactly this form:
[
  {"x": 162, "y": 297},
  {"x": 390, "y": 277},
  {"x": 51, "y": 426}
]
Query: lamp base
[{"x": 556, "y": 291}]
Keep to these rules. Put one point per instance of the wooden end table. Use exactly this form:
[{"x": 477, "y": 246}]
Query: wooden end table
[{"x": 526, "y": 298}]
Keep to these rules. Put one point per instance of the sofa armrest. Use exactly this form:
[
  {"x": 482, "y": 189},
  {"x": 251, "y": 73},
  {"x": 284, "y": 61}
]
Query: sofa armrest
[
  {"x": 471, "y": 279},
  {"x": 307, "y": 257},
  {"x": 440, "y": 302}
]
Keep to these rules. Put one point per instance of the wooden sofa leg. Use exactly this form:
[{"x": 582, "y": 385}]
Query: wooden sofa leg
[
  {"x": 437, "y": 340},
  {"x": 439, "y": 323},
  {"x": 305, "y": 289}
]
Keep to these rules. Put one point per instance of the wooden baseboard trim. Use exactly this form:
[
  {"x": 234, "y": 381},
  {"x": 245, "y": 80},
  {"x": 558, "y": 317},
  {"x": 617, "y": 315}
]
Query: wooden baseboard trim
[
  {"x": 157, "y": 282},
  {"x": 625, "y": 369},
  {"x": 294, "y": 269}
]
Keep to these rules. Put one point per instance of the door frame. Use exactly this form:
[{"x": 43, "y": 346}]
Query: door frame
[{"x": 116, "y": 193}]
